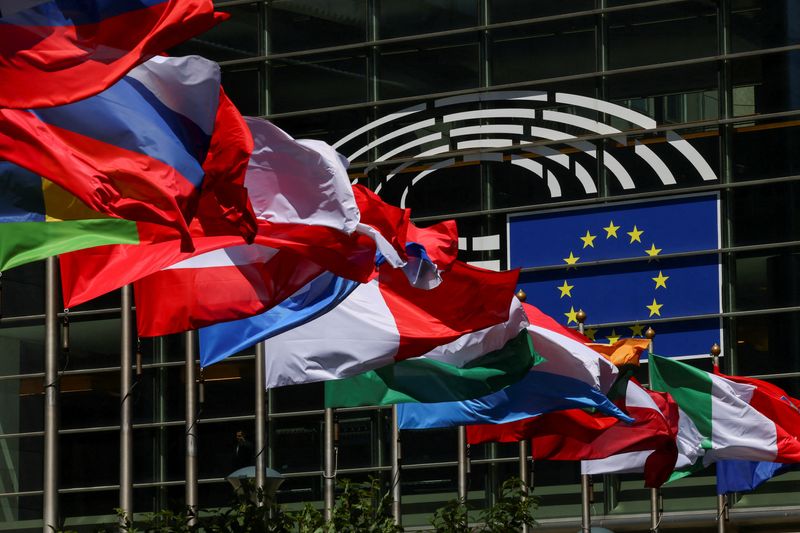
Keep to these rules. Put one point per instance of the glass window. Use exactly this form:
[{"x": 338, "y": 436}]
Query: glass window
[
  {"x": 238, "y": 37},
  {"x": 293, "y": 398},
  {"x": 328, "y": 127},
  {"x": 23, "y": 290},
  {"x": 767, "y": 279},
  {"x": 89, "y": 399},
  {"x": 757, "y": 24},
  {"x": 546, "y": 50},
  {"x": 767, "y": 344},
  {"x": 765, "y": 150},
  {"x": 396, "y": 19},
  {"x": 23, "y": 350},
  {"x": 103, "y": 469},
  {"x": 22, "y": 472},
  {"x": 766, "y": 83},
  {"x": 765, "y": 214},
  {"x": 316, "y": 81},
  {"x": 305, "y": 24},
  {"x": 508, "y": 10},
  {"x": 244, "y": 87},
  {"x": 297, "y": 443},
  {"x": 92, "y": 344},
  {"x": 661, "y": 34},
  {"x": 428, "y": 66},
  {"x": 447, "y": 190},
  {"x": 364, "y": 439}
]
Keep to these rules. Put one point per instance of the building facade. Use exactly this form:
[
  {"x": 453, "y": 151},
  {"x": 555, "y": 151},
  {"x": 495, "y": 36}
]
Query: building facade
[{"x": 479, "y": 111}]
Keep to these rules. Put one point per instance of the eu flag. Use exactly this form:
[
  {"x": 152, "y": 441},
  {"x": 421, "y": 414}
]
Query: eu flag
[{"x": 588, "y": 244}]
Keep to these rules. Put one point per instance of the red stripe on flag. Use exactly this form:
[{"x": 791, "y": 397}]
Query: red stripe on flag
[{"x": 52, "y": 65}]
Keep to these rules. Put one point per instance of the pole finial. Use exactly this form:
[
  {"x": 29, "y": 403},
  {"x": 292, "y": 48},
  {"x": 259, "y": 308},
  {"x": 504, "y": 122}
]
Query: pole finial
[
  {"x": 521, "y": 295},
  {"x": 650, "y": 333},
  {"x": 580, "y": 316},
  {"x": 716, "y": 350}
]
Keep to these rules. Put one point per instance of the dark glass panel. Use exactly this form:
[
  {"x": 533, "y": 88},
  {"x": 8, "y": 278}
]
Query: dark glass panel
[
  {"x": 90, "y": 399},
  {"x": 23, "y": 290},
  {"x": 23, "y": 351},
  {"x": 661, "y": 34},
  {"x": 448, "y": 190},
  {"x": 765, "y": 150},
  {"x": 764, "y": 214},
  {"x": 243, "y": 86},
  {"x": 757, "y": 24},
  {"x": 363, "y": 439},
  {"x": 229, "y": 388},
  {"x": 546, "y": 50},
  {"x": 767, "y": 344},
  {"x": 437, "y": 445},
  {"x": 509, "y": 10},
  {"x": 103, "y": 468},
  {"x": 92, "y": 344},
  {"x": 328, "y": 127},
  {"x": 236, "y": 38},
  {"x": 767, "y": 279},
  {"x": 305, "y": 24},
  {"x": 305, "y": 397},
  {"x": 766, "y": 83},
  {"x": 297, "y": 443},
  {"x": 316, "y": 81},
  {"x": 670, "y": 95},
  {"x": 85, "y": 511},
  {"x": 217, "y": 454},
  {"x": 301, "y": 490},
  {"x": 396, "y": 19},
  {"x": 428, "y": 66}
]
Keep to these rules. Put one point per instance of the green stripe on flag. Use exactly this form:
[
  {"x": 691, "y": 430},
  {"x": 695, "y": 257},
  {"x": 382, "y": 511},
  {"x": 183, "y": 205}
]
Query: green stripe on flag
[
  {"x": 425, "y": 380},
  {"x": 689, "y": 386},
  {"x": 25, "y": 242}
]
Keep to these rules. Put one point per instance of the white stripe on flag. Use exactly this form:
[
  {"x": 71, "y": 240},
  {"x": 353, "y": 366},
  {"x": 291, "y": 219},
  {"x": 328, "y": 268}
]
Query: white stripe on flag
[{"x": 245, "y": 254}]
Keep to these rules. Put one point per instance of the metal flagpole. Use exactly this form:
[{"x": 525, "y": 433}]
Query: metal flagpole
[
  {"x": 396, "y": 456},
  {"x": 656, "y": 507},
  {"x": 261, "y": 420},
  {"x": 463, "y": 464},
  {"x": 50, "y": 481},
  {"x": 722, "y": 499},
  {"x": 191, "y": 423},
  {"x": 524, "y": 472},
  {"x": 126, "y": 407},
  {"x": 329, "y": 473},
  {"x": 586, "y": 479}
]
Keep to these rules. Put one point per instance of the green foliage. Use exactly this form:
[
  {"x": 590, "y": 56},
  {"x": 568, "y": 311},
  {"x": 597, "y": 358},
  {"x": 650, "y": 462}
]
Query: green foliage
[
  {"x": 513, "y": 509},
  {"x": 362, "y": 508}
]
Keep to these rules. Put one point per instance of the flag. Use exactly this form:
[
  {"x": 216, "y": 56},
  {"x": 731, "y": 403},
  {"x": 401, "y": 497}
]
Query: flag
[
  {"x": 723, "y": 411},
  {"x": 59, "y": 51},
  {"x": 571, "y": 375},
  {"x": 576, "y": 435},
  {"x": 427, "y": 380},
  {"x": 584, "y": 259},
  {"x": 744, "y": 476},
  {"x": 134, "y": 151},
  {"x": 39, "y": 219},
  {"x": 305, "y": 208},
  {"x": 387, "y": 320},
  {"x": 623, "y": 352},
  {"x": 773, "y": 402}
]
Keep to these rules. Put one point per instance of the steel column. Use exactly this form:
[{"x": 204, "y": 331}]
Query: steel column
[
  {"x": 329, "y": 473},
  {"x": 463, "y": 463},
  {"x": 396, "y": 456},
  {"x": 191, "y": 421},
  {"x": 261, "y": 419},
  {"x": 126, "y": 406},
  {"x": 51, "y": 388}
]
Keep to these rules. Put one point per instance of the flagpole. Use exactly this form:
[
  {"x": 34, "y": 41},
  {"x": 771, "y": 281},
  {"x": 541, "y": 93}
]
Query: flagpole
[
  {"x": 396, "y": 456},
  {"x": 329, "y": 473},
  {"x": 463, "y": 464},
  {"x": 51, "y": 386},
  {"x": 524, "y": 470},
  {"x": 655, "y": 494},
  {"x": 586, "y": 479},
  {"x": 190, "y": 338},
  {"x": 261, "y": 421},
  {"x": 722, "y": 499},
  {"x": 126, "y": 407}
]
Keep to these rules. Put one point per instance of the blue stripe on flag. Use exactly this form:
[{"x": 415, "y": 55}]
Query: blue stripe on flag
[
  {"x": 742, "y": 476},
  {"x": 75, "y": 12},
  {"x": 21, "y": 196},
  {"x": 536, "y": 394},
  {"x": 322, "y": 294}
]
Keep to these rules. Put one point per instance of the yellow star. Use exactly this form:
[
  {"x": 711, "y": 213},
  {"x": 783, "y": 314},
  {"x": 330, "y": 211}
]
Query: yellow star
[
  {"x": 613, "y": 337},
  {"x": 590, "y": 333},
  {"x": 636, "y": 235},
  {"x": 636, "y": 330},
  {"x": 655, "y": 308},
  {"x": 588, "y": 240},
  {"x": 565, "y": 289},
  {"x": 611, "y": 230},
  {"x": 572, "y": 316},
  {"x": 571, "y": 260},
  {"x": 653, "y": 251},
  {"x": 661, "y": 280}
]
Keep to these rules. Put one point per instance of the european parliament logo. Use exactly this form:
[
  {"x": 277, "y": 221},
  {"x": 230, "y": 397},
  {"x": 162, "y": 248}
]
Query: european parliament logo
[{"x": 628, "y": 266}]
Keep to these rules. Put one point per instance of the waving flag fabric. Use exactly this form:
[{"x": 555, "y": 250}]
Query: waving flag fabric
[
  {"x": 305, "y": 208},
  {"x": 388, "y": 320},
  {"x": 744, "y": 476},
  {"x": 39, "y": 219},
  {"x": 574, "y": 253},
  {"x": 729, "y": 424},
  {"x": 424, "y": 380},
  {"x": 60, "y": 51},
  {"x": 134, "y": 151},
  {"x": 571, "y": 376}
]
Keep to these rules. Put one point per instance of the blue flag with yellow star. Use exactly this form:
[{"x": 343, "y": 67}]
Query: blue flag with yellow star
[{"x": 628, "y": 266}]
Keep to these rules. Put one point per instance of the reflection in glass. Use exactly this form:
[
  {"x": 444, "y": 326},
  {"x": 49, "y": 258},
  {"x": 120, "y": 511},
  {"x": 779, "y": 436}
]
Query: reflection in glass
[{"x": 305, "y": 24}]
